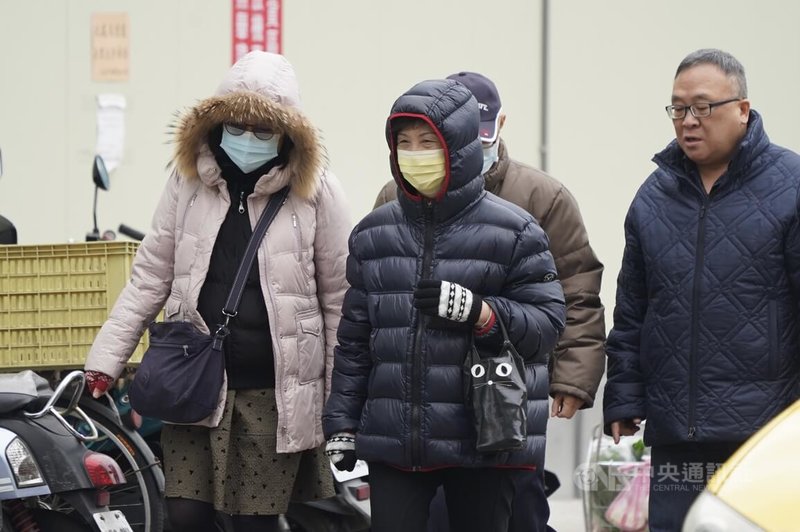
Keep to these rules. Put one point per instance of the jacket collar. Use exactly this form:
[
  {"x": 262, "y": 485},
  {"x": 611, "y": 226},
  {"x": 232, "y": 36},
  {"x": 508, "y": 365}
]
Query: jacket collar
[
  {"x": 496, "y": 174},
  {"x": 747, "y": 156}
]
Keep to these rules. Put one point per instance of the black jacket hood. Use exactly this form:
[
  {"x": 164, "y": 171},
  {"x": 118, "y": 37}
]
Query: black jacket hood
[{"x": 452, "y": 112}]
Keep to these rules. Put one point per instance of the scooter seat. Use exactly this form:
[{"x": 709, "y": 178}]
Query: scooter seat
[{"x": 18, "y": 390}]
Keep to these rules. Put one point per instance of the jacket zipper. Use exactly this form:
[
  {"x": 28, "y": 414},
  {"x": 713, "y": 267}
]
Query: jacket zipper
[
  {"x": 280, "y": 398},
  {"x": 241, "y": 202},
  {"x": 186, "y": 212},
  {"x": 695, "y": 338},
  {"x": 298, "y": 236},
  {"x": 416, "y": 356}
]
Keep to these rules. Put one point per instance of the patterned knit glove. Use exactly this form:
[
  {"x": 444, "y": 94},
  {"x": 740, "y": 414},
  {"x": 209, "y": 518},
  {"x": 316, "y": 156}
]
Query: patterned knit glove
[
  {"x": 447, "y": 300},
  {"x": 341, "y": 450},
  {"x": 98, "y": 382}
]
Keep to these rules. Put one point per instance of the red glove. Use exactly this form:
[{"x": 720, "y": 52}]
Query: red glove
[{"x": 98, "y": 382}]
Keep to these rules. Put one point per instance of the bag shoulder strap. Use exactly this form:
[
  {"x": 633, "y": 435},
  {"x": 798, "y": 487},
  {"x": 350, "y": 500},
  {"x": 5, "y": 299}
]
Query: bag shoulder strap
[{"x": 270, "y": 211}]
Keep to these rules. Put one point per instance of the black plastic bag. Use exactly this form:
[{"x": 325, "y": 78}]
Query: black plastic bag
[{"x": 496, "y": 394}]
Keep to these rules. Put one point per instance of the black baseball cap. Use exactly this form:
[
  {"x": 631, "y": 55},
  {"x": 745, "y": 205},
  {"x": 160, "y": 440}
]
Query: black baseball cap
[{"x": 485, "y": 92}]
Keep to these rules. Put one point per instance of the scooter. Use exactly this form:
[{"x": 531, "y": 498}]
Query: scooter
[
  {"x": 347, "y": 511},
  {"x": 49, "y": 480}
]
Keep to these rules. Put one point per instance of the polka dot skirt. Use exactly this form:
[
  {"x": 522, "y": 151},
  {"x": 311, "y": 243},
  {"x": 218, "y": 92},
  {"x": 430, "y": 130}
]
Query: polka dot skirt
[{"x": 235, "y": 466}]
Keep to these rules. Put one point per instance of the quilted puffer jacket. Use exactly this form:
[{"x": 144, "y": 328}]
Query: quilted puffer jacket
[
  {"x": 705, "y": 337},
  {"x": 301, "y": 260},
  {"x": 579, "y": 361},
  {"x": 397, "y": 379}
]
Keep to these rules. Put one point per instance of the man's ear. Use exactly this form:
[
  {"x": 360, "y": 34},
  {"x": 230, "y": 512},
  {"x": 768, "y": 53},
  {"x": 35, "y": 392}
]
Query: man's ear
[
  {"x": 503, "y": 121},
  {"x": 744, "y": 109}
]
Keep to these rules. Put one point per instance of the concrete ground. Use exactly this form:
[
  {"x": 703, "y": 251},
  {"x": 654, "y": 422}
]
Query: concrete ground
[{"x": 566, "y": 515}]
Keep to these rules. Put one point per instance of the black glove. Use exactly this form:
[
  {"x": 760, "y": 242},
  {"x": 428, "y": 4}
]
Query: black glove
[
  {"x": 341, "y": 450},
  {"x": 447, "y": 300}
]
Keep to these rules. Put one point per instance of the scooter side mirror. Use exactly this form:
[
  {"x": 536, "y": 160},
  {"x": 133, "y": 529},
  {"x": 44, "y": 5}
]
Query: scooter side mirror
[
  {"x": 99, "y": 173},
  {"x": 101, "y": 181}
]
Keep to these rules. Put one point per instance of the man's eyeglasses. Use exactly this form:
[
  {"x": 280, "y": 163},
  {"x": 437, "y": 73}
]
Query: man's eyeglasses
[
  {"x": 236, "y": 130},
  {"x": 698, "y": 110}
]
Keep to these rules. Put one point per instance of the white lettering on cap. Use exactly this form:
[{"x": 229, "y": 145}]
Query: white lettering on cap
[{"x": 483, "y": 106}]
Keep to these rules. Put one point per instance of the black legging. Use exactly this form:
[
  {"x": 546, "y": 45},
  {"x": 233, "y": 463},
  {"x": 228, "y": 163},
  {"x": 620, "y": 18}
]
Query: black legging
[{"x": 187, "y": 515}]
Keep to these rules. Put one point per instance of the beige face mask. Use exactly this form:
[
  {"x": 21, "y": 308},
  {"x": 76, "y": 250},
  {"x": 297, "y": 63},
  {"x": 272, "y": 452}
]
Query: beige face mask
[{"x": 424, "y": 169}]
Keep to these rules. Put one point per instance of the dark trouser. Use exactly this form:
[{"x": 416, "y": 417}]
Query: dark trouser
[
  {"x": 188, "y": 515},
  {"x": 530, "y": 510},
  {"x": 679, "y": 474},
  {"x": 478, "y": 499}
]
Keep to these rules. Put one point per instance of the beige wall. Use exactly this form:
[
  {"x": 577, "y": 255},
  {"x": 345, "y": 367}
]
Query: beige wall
[
  {"x": 353, "y": 59},
  {"x": 612, "y": 64},
  {"x": 47, "y": 107}
]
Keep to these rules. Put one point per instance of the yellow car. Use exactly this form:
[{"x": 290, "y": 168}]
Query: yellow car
[{"x": 757, "y": 489}]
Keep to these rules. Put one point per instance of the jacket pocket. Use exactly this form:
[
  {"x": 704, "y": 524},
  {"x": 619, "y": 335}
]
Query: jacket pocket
[
  {"x": 310, "y": 346},
  {"x": 772, "y": 315},
  {"x": 172, "y": 309}
]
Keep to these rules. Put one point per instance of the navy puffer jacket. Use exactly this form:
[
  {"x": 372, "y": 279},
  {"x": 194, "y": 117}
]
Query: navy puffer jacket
[
  {"x": 705, "y": 337},
  {"x": 397, "y": 373}
]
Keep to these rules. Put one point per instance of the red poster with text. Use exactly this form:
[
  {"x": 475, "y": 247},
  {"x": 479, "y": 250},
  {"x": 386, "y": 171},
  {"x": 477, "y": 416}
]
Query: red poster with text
[{"x": 256, "y": 26}]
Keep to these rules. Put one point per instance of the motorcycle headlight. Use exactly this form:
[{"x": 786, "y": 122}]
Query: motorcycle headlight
[
  {"x": 710, "y": 514},
  {"x": 26, "y": 472}
]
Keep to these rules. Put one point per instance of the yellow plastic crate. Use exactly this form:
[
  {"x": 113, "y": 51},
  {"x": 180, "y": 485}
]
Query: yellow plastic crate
[{"x": 55, "y": 298}]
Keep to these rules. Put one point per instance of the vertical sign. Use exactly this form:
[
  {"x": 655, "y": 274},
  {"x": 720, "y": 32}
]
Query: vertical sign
[
  {"x": 110, "y": 46},
  {"x": 256, "y": 26}
]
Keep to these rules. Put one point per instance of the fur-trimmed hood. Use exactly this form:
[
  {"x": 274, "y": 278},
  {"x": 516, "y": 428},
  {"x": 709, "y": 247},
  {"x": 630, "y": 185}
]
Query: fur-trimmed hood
[{"x": 260, "y": 89}]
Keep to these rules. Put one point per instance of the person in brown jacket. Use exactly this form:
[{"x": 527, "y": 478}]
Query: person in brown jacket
[{"x": 578, "y": 362}]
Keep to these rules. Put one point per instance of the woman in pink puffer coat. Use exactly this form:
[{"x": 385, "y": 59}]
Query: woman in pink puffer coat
[{"x": 233, "y": 151}]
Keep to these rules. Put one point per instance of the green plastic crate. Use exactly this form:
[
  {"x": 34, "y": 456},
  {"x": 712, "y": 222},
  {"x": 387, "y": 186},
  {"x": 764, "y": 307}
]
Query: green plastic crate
[{"x": 55, "y": 298}]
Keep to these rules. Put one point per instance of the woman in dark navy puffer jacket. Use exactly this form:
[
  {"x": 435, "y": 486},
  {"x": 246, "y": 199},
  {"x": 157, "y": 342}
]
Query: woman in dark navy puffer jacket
[{"x": 397, "y": 384}]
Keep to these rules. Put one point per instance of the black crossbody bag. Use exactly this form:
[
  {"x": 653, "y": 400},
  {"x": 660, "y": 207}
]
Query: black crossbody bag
[{"x": 183, "y": 369}]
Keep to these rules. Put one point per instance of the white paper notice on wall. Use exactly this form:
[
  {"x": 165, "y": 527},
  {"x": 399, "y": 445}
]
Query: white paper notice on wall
[{"x": 110, "y": 129}]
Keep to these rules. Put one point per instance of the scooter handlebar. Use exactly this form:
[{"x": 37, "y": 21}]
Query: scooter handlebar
[{"x": 130, "y": 232}]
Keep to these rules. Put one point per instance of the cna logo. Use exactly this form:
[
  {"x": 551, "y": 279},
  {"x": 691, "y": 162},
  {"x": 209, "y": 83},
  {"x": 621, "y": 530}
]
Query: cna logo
[{"x": 483, "y": 107}]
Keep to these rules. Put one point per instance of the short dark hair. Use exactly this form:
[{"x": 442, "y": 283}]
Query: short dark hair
[
  {"x": 722, "y": 60},
  {"x": 403, "y": 122}
]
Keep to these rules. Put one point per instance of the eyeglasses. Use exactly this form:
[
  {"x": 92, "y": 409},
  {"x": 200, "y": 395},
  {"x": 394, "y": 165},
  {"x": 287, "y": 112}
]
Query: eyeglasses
[
  {"x": 236, "y": 130},
  {"x": 698, "y": 110}
]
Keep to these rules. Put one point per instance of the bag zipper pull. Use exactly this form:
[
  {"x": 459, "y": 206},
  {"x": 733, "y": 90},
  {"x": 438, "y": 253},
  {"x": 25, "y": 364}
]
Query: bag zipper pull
[
  {"x": 186, "y": 351},
  {"x": 241, "y": 202}
]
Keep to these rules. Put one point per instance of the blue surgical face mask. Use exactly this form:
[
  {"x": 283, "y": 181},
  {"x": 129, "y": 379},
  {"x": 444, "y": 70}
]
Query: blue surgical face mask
[
  {"x": 490, "y": 156},
  {"x": 249, "y": 152}
]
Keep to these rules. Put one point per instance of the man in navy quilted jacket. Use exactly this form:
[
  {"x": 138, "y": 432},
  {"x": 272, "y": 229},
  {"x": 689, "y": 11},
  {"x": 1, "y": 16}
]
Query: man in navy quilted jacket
[{"x": 705, "y": 338}]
